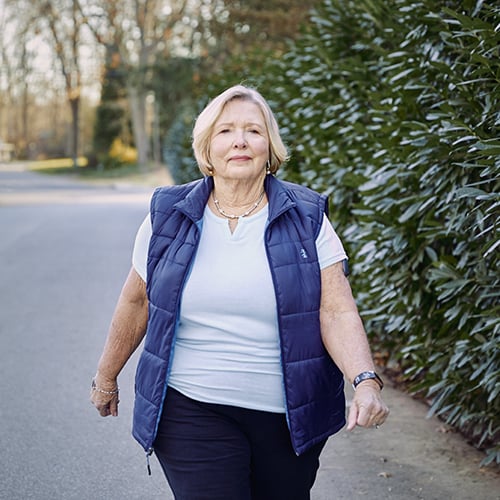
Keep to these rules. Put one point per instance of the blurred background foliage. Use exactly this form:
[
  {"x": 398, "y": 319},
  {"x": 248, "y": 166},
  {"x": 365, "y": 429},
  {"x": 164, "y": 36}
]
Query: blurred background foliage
[{"x": 391, "y": 107}]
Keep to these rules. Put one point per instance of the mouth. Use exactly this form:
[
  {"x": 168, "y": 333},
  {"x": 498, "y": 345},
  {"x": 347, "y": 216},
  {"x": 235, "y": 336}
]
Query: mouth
[{"x": 239, "y": 158}]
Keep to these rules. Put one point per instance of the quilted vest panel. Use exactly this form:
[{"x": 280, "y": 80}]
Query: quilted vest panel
[{"x": 312, "y": 382}]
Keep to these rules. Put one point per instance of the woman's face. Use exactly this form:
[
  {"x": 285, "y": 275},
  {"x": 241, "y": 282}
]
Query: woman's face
[{"x": 239, "y": 146}]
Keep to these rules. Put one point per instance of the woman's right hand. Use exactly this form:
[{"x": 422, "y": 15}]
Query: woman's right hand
[{"x": 104, "y": 396}]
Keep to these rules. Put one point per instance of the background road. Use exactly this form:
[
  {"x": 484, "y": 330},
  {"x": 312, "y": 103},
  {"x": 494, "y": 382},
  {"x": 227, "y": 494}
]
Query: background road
[{"x": 65, "y": 249}]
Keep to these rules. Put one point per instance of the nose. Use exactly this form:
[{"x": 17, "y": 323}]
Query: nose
[{"x": 240, "y": 140}]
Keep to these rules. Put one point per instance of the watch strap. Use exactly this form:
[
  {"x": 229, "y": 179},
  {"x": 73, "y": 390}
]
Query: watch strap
[{"x": 369, "y": 375}]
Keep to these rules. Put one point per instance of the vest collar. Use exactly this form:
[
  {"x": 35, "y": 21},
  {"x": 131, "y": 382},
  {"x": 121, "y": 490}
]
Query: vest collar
[
  {"x": 193, "y": 205},
  {"x": 279, "y": 197}
]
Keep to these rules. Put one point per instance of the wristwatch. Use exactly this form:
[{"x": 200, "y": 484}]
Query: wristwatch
[{"x": 367, "y": 376}]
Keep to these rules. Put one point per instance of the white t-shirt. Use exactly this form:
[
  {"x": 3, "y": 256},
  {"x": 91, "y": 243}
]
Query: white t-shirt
[{"x": 227, "y": 344}]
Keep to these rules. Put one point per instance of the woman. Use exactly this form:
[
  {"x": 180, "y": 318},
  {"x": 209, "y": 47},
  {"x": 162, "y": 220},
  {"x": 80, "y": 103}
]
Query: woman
[{"x": 238, "y": 281}]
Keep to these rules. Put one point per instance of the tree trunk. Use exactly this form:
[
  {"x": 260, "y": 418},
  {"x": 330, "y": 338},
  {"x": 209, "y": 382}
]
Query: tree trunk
[
  {"x": 156, "y": 133},
  {"x": 137, "y": 101},
  {"x": 75, "y": 116},
  {"x": 23, "y": 151}
]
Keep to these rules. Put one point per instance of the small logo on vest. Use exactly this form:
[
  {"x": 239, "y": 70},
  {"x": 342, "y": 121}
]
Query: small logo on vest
[{"x": 303, "y": 253}]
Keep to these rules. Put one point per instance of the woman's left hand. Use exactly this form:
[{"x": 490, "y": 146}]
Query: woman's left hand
[{"x": 367, "y": 407}]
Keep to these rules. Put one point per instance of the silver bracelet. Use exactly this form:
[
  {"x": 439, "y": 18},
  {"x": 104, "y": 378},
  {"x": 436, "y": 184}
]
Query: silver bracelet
[{"x": 102, "y": 391}]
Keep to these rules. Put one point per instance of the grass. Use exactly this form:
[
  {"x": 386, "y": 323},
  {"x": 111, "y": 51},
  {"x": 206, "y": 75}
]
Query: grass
[
  {"x": 127, "y": 172},
  {"x": 56, "y": 164},
  {"x": 64, "y": 166}
]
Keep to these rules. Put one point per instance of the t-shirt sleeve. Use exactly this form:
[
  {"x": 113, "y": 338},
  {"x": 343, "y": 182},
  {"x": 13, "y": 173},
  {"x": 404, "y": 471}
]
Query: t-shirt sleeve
[
  {"x": 329, "y": 246},
  {"x": 141, "y": 247}
]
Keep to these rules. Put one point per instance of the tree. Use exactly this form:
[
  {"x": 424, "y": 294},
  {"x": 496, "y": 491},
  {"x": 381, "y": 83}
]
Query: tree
[
  {"x": 16, "y": 65},
  {"x": 111, "y": 115},
  {"x": 45, "y": 62},
  {"x": 247, "y": 27},
  {"x": 6, "y": 78},
  {"x": 65, "y": 24},
  {"x": 143, "y": 32}
]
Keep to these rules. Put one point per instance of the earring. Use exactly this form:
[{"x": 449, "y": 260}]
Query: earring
[{"x": 268, "y": 167}]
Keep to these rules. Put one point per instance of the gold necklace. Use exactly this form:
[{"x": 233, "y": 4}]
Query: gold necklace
[{"x": 231, "y": 216}]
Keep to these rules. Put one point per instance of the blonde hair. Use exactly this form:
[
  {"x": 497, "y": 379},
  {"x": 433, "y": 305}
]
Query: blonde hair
[{"x": 203, "y": 127}]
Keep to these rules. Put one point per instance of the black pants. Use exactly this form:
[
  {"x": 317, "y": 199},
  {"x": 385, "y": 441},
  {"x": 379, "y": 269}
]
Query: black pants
[{"x": 218, "y": 452}]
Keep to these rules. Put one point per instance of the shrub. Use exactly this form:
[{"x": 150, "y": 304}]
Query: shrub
[
  {"x": 177, "y": 151},
  {"x": 393, "y": 108},
  {"x": 121, "y": 153}
]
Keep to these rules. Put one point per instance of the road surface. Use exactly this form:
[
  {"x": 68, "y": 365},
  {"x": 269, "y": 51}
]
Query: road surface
[{"x": 65, "y": 249}]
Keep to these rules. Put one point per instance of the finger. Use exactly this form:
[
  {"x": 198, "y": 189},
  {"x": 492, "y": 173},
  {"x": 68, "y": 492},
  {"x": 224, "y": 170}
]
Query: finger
[
  {"x": 104, "y": 411},
  {"x": 376, "y": 416},
  {"x": 113, "y": 407},
  {"x": 382, "y": 415},
  {"x": 375, "y": 419},
  {"x": 101, "y": 400},
  {"x": 353, "y": 417},
  {"x": 364, "y": 417},
  {"x": 102, "y": 406}
]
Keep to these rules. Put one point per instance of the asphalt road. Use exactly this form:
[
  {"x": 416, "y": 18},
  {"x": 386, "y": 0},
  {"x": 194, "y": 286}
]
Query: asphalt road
[{"x": 65, "y": 249}]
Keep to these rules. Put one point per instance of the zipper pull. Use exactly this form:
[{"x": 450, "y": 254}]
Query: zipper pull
[{"x": 148, "y": 465}]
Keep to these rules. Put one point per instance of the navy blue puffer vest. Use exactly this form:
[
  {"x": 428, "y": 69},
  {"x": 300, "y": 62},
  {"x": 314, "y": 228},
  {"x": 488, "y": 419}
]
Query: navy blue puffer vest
[{"x": 313, "y": 384}]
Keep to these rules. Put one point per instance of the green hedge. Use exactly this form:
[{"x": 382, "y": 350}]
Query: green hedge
[{"x": 393, "y": 108}]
